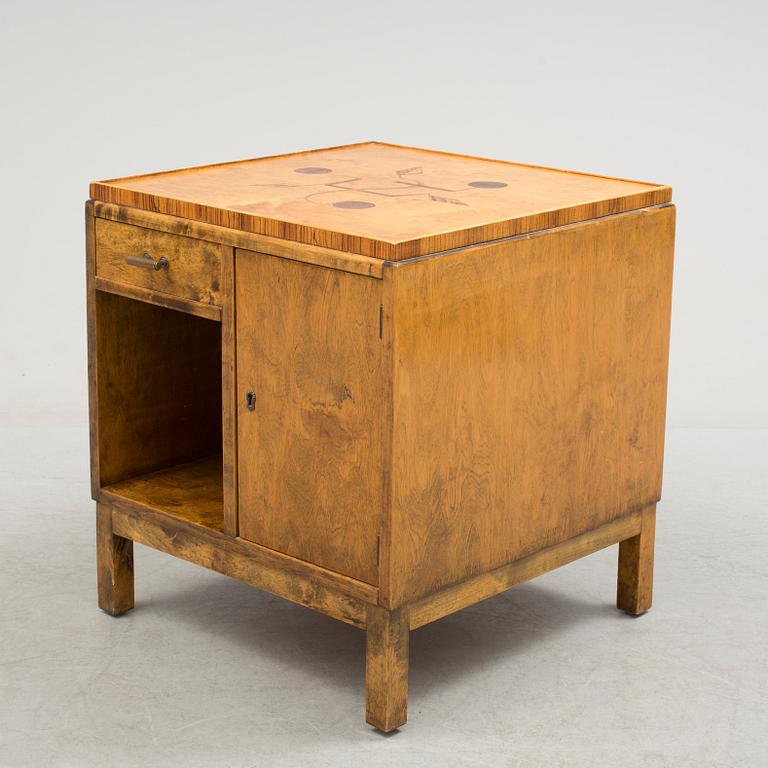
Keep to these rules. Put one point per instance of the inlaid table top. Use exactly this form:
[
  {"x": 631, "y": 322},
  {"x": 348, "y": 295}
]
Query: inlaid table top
[{"x": 381, "y": 200}]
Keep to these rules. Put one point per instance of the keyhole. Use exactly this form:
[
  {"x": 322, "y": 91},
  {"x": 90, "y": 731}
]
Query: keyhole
[{"x": 250, "y": 401}]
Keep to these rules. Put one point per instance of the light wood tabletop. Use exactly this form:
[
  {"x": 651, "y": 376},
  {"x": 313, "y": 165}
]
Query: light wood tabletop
[{"x": 381, "y": 200}]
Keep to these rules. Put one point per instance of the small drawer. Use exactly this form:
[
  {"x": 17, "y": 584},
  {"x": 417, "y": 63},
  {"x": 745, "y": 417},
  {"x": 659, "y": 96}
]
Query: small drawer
[{"x": 157, "y": 261}]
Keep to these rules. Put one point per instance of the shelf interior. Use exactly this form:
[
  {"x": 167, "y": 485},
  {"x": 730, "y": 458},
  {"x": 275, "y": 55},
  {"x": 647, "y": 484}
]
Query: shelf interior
[{"x": 191, "y": 491}]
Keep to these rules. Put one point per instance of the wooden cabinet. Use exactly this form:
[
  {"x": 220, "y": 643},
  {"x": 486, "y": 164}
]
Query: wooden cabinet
[{"x": 381, "y": 382}]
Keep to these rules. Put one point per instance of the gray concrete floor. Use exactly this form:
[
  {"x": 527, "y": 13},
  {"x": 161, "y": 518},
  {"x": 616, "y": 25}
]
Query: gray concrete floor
[{"x": 209, "y": 672}]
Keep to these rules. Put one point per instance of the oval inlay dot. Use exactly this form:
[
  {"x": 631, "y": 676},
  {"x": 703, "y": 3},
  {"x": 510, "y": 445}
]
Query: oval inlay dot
[
  {"x": 312, "y": 169},
  {"x": 487, "y": 184},
  {"x": 353, "y": 204}
]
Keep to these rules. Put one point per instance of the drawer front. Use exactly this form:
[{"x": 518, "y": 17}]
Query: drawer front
[{"x": 172, "y": 264}]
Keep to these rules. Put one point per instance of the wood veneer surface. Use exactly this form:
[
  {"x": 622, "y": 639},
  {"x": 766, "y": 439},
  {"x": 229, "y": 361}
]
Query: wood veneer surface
[{"x": 381, "y": 200}]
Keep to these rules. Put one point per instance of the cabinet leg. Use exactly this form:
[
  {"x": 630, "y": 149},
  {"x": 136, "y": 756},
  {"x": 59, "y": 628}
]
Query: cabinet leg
[
  {"x": 114, "y": 565},
  {"x": 634, "y": 593},
  {"x": 386, "y": 668}
]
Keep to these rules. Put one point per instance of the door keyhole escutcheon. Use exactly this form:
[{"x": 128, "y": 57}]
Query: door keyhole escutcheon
[{"x": 250, "y": 400}]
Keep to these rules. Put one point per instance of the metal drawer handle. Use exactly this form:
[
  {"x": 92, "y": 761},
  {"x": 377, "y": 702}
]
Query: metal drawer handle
[{"x": 147, "y": 262}]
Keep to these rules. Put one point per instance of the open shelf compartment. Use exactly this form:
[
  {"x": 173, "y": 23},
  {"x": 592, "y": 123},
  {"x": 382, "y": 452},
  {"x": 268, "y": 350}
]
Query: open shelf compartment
[
  {"x": 192, "y": 492},
  {"x": 159, "y": 414}
]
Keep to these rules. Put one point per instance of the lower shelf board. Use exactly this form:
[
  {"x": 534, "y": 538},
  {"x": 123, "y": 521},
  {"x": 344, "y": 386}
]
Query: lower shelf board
[{"x": 192, "y": 492}]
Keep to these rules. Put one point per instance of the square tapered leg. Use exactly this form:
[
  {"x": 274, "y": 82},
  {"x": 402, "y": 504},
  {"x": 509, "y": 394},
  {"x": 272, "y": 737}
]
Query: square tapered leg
[
  {"x": 114, "y": 564},
  {"x": 386, "y": 668},
  {"x": 634, "y": 592}
]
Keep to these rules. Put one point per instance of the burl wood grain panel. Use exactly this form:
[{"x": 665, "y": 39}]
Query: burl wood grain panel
[
  {"x": 310, "y": 451},
  {"x": 287, "y": 249},
  {"x": 380, "y": 200},
  {"x": 194, "y": 266},
  {"x": 529, "y": 395}
]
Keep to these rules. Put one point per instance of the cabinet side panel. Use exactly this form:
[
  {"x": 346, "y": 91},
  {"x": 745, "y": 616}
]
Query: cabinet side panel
[
  {"x": 310, "y": 447},
  {"x": 529, "y": 394}
]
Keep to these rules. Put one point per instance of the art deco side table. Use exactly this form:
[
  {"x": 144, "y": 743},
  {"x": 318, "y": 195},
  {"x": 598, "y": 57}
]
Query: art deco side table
[{"x": 381, "y": 382}]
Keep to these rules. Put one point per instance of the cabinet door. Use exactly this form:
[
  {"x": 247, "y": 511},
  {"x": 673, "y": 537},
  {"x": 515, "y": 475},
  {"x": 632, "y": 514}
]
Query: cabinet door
[{"x": 310, "y": 434}]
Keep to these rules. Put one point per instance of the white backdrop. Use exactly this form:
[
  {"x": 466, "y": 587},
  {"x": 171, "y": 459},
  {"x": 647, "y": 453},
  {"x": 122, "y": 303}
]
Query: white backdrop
[{"x": 656, "y": 91}]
